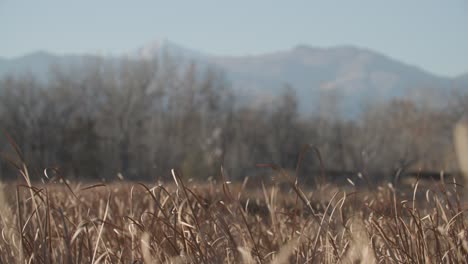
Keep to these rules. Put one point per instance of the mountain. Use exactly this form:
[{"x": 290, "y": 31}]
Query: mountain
[
  {"x": 39, "y": 64},
  {"x": 34, "y": 63},
  {"x": 356, "y": 76},
  {"x": 160, "y": 47},
  {"x": 462, "y": 79}
]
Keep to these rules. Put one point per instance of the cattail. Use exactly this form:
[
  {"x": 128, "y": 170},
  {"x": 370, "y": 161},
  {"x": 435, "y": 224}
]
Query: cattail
[{"x": 461, "y": 145}]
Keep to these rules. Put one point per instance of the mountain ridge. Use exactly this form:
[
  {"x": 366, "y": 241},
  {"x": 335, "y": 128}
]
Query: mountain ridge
[{"x": 357, "y": 74}]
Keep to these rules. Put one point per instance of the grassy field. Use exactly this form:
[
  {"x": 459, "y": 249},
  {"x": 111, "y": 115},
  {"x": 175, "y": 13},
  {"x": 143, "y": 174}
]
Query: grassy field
[{"x": 223, "y": 222}]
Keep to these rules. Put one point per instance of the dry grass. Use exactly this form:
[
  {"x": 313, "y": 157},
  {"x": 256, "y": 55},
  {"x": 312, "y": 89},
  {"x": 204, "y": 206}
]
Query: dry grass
[{"x": 123, "y": 222}]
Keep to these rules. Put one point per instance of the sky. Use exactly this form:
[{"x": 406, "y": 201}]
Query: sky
[{"x": 427, "y": 33}]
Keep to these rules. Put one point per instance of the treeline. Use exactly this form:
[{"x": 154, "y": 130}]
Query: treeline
[{"x": 142, "y": 118}]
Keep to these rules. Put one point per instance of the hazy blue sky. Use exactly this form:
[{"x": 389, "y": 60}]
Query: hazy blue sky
[{"x": 430, "y": 34}]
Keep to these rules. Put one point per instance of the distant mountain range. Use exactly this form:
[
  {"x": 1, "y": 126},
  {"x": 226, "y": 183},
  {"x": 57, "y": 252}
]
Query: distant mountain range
[{"x": 356, "y": 75}]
